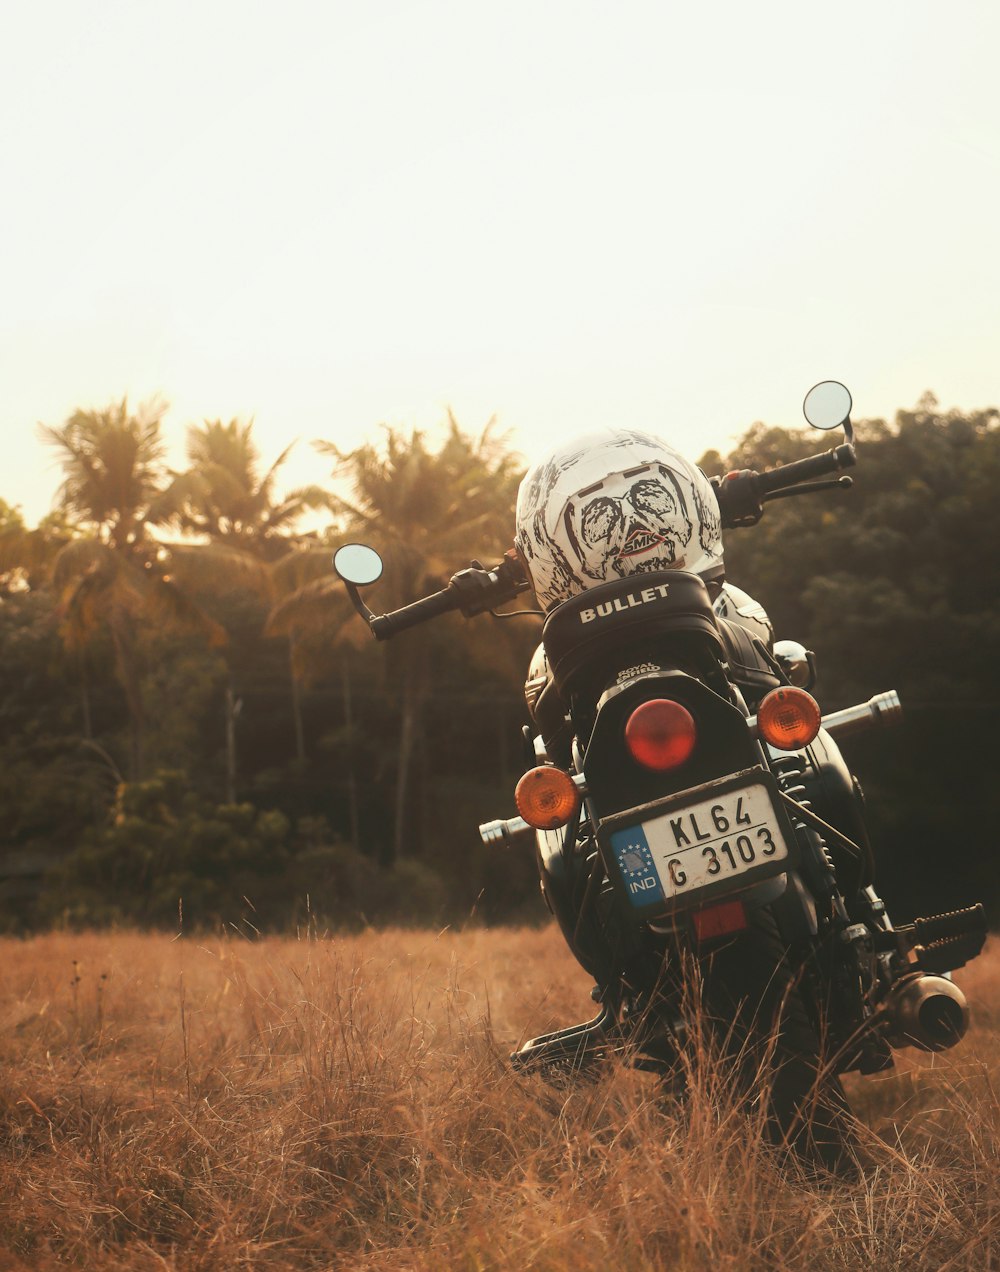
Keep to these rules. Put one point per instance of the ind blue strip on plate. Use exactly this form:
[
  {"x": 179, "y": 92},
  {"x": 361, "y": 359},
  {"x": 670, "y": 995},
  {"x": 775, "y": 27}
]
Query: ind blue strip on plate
[{"x": 636, "y": 862}]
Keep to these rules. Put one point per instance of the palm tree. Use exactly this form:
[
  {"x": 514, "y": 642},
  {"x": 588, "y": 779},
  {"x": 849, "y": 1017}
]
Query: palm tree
[
  {"x": 427, "y": 512},
  {"x": 312, "y": 611},
  {"x": 113, "y": 574},
  {"x": 224, "y": 496},
  {"x": 27, "y": 559},
  {"x": 428, "y": 508},
  {"x": 225, "y": 499}
]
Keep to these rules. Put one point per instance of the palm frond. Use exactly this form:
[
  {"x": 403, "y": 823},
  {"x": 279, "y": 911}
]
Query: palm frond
[
  {"x": 112, "y": 462},
  {"x": 81, "y": 556},
  {"x": 267, "y": 480},
  {"x": 172, "y": 606},
  {"x": 216, "y": 566},
  {"x": 297, "y": 568},
  {"x": 320, "y": 606}
]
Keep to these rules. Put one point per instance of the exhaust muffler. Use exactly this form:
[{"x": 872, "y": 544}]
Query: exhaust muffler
[{"x": 927, "y": 1012}]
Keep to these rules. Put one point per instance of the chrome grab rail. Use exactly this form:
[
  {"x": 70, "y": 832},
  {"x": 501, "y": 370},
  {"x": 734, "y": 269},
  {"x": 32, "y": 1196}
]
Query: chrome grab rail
[{"x": 876, "y": 713}]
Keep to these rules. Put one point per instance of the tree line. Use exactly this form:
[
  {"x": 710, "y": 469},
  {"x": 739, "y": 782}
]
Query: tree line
[{"x": 199, "y": 730}]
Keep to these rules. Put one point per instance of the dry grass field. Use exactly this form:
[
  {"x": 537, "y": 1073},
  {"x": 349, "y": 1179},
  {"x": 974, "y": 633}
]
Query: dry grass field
[{"x": 344, "y": 1102}]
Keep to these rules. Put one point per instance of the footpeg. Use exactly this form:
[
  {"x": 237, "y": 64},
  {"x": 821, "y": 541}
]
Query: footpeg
[
  {"x": 951, "y": 953},
  {"x": 946, "y": 941},
  {"x": 941, "y": 927}
]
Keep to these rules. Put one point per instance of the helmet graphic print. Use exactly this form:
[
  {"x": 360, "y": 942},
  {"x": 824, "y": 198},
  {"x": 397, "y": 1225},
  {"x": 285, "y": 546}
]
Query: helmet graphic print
[
  {"x": 636, "y": 522},
  {"x": 610, "y": 505}
]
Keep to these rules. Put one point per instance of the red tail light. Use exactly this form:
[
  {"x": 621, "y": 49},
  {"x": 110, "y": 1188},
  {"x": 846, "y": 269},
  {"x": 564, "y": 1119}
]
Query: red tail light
[
  {"x": 720, "y": 920},
  {"x": 661, "y": 734}
]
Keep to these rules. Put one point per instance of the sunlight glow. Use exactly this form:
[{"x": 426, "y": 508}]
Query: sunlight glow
[{"x": 569, "y": 215}]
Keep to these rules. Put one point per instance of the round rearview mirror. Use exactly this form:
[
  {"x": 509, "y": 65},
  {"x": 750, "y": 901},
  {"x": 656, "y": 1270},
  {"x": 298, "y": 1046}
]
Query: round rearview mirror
[
  {"x": 827, "y": 405},
  {"x": 358, "y": 564}
]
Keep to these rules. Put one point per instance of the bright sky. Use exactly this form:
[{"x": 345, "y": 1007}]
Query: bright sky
[{"x": 567, "y": 214}]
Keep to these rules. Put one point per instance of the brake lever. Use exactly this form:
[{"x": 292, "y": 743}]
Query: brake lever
[{"x": 808, "y": 488}]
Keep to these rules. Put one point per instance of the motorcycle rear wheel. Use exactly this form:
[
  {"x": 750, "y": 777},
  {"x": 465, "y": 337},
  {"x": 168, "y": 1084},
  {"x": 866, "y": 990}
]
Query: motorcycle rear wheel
[{"x": 754, "y": 1008}]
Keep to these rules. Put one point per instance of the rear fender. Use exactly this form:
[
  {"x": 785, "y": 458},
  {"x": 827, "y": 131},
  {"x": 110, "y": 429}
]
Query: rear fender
[
  {"x": 795, "y": 911},
  {"x": 615, "y": 781},
  {"x": 560, "y": 876}
]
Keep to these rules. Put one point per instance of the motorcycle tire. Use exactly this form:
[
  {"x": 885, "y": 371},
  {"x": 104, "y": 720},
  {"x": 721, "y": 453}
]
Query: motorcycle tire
[{"x": 754, "y": 1007}]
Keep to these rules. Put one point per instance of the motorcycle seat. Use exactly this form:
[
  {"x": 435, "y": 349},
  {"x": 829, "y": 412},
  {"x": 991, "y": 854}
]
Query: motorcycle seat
[
  {"x": 749, "y": 664},
  {"x": 589, "y": 630}
]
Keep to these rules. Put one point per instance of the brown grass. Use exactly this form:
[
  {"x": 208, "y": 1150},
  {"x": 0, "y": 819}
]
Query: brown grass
[{"x": 346, "y": 1102}]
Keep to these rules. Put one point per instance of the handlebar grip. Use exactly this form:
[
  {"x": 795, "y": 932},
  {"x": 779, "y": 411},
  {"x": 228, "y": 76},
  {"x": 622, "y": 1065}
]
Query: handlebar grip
[
  {"x": 385, "y": 625},
  {"x": 805, "y": 469}
]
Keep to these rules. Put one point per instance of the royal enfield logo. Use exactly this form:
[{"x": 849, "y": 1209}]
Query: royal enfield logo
[
  {"x": 640, "y": 669},
  {"x": 622, "y": 603}
]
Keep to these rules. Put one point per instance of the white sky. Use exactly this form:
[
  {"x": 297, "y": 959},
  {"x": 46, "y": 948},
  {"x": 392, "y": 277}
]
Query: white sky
[{"x": 570, "y": 215}]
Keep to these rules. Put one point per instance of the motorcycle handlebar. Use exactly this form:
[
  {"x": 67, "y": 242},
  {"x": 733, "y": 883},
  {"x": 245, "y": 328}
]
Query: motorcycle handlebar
[
  {"x": 473, "y": 591},
  {"x": 742, "y": 494},
  {"x": 385, "y": 625},
  {"x": 805, "y": 469}
]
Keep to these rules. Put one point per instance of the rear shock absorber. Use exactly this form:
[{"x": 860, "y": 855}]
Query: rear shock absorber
[
  {"x": 789, "y": 770},
  {"x": 846, "y": 959}
]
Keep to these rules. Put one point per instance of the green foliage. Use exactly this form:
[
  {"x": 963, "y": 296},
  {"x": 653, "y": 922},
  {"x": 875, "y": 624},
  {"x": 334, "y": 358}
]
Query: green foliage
[
  {"x": 53, "y": 781},
  {"x": 111, "y": 579},
  {"x": 895, "y": 585},
  {"x": 916, "y": 542},
  {"x": 162, "y": 849},
  {"x": 346, "y": 754},
  {"x": 490, "y": 884},
  {"x": 182, "y": 689},
  {"x": 427, "y": 512},
  {"x": 168, "y": 857}
]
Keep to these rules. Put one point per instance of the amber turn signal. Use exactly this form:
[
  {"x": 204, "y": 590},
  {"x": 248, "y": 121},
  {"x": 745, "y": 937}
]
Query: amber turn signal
[
  {"x": 547, "y": 797},
  {"x": 789, "y": 719}
]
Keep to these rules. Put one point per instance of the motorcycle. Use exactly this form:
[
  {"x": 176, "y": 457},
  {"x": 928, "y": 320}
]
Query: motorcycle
[{"x": 691, "y": 811}]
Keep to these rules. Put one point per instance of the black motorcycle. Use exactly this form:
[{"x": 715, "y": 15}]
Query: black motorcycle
[{"x": 694, "y": 822}]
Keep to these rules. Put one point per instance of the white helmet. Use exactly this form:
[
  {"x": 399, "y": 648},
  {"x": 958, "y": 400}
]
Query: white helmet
[{"x": 611, "y": 504}]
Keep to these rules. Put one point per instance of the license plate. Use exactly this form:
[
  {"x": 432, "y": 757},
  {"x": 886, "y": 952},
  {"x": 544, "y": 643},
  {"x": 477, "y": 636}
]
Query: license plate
[{"x": 691, "y": 847}]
